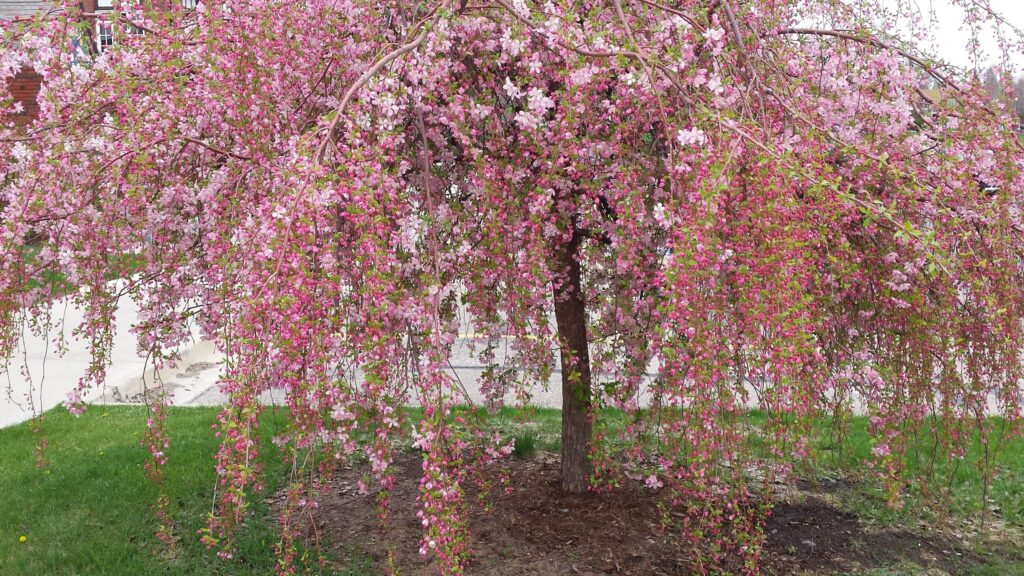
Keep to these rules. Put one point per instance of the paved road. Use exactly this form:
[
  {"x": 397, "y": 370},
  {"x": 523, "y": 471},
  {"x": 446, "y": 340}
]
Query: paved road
[
  {"x": 193, "y": 382},
  {"x": 465, "y": 368},
  {"x": 37, "y": 378}
]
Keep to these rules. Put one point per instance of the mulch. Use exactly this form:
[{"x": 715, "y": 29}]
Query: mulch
[{"x": 536, "y": 529}]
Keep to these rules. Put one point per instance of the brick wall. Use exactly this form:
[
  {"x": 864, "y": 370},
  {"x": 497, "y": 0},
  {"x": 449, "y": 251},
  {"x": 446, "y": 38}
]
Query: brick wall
[{"x": 24, "y": 88}]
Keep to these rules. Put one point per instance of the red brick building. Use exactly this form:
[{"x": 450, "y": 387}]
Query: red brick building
[{"x": 24, "y": 88}]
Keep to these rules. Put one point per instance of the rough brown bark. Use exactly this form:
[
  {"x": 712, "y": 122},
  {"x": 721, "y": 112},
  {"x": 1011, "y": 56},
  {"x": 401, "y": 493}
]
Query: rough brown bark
[{"x": 571, "y": 320}]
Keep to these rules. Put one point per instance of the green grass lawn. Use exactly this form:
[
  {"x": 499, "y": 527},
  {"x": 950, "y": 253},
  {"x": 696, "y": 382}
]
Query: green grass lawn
[
  {"x": 119, "y": 266},
  {"x": 962, "y": 480},
  {"x": 88, "y": 512}
]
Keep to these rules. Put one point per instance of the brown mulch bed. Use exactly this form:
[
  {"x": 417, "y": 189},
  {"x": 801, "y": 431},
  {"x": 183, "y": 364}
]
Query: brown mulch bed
[{"x": 538, "y": 530}]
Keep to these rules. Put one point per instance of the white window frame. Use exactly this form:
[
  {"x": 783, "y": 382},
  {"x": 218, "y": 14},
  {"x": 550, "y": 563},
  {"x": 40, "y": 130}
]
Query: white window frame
[
  {"x": 188, "y": 4},
  {"x": 132, "y": 30},
  {"x": 104, "y": 34},
  {"x": 105, "y": 37}
]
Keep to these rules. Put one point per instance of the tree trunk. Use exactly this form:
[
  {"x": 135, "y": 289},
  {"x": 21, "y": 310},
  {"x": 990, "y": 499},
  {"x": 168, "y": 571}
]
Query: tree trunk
[{"x": 571, "y": 320}]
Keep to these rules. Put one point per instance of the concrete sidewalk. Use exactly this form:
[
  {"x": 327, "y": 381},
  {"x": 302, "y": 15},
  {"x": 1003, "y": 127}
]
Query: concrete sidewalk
[
  {"x": 193, "y": 381},
  {"x": 38, "y": 378},
  {"x": 50, "y": 377}
]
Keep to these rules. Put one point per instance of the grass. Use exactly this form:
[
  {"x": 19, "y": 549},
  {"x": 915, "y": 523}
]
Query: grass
[
  {"x": 961, "y": 479},
  {"x": 118, "y": 266},
  {"x": 999, "y": 568},
  {"x": 532, "y": 428},
  {"x": 88, "y": 513}
]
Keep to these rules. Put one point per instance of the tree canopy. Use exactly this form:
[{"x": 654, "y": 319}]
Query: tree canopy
[{"x": 755, "y": 201}]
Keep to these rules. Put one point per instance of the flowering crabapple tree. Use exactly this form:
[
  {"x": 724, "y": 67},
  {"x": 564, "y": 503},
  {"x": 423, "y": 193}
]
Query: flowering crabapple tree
[{"x": 764, "y": 204}]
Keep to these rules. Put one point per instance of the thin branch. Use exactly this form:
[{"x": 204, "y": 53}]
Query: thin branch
[
  {"x": 588, "y": 52},
  {"x": 872, "y": 41},
  {"x": 339, "y": 112},
  {"x": 689, "y": 19},
  {"x": 215, "y": 149}
]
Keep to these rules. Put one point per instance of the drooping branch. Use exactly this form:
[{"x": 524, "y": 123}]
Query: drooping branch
[
  {"x": 215, "y": 149},
  {"x": 413, "y": 44},
  {"x": 873, "y": 41}
]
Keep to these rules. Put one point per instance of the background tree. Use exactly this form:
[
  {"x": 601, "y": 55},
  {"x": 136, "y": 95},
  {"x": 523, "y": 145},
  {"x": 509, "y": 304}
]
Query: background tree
[{"x": 734, "y": 196}]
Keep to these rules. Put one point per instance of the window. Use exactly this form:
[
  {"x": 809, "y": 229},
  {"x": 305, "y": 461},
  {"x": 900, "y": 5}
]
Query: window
[
  {"x": 105, "y": 30},
  {"x": 104, "y": 4},
  {"x": 188, "y": 4},
  {"x": 104, "y": 35}
]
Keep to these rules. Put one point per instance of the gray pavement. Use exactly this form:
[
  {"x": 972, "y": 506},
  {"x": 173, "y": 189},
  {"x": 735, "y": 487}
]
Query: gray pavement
[{"x": 37, "y": 378}]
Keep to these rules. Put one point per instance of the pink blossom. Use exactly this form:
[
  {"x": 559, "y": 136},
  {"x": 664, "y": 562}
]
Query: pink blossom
[{"x": 693, "y": 136}]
